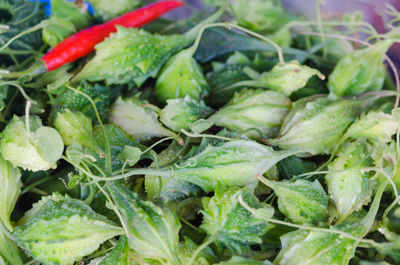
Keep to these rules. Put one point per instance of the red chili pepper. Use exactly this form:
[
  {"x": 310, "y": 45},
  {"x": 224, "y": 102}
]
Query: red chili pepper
[{"x": 83, "y": 42}]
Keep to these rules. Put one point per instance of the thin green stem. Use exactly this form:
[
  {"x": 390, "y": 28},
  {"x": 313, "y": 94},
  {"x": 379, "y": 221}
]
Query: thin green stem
[
  {"x": 30, "y": 30},
  {"x": 310, "y": 228},
  {"x": 33, "y": 185},
  {"x": 157, "y": 143},
  {"x": 27, "y": 123},
  {"x": 199, "y": 135},
  {"x": 205, "y": 244},
  {"x": 249, "y": 32},
  {"x": 20, "y": 88},
  {"x": 319, "y": 22}
]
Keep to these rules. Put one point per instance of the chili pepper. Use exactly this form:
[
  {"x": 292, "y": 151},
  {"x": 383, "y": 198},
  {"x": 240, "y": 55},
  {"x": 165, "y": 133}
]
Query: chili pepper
[{"x": 83, "y": 42}]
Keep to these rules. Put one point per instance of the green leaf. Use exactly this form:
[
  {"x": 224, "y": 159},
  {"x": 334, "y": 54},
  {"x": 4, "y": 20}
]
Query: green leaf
[
  {"x": 390, "y": 228},
  {"x": 51, "y": 145},
  {"x": 138, "y": 118},
  {"x": 106, "y": 9},
  {"x": 75, "y": 153},
  {"x": 180, "y": 113},
  {"x": 27, "y": 149},
  {"x": 254, "y": 109},
  {"x": 75, "y": 127},
  {"x": 9, "y": 252},
  {"x": 57, "y": 197},
  {"x": 232, "y": 163},
  {"x": 188, "y": 247},
  {"x": 226, "y": 221},
  {"x": 316, "y": 125},
  {"x": 375, "y": 126},
  {"x": 294, "y": 166},
  {"x": 318, "y": 247},
  {"x": 57, "y": 30},
  {"x": 237, "y": 260},
  {"x": 120, "y": 255},
  {"x": 71, "y": 11},
  {"x": 263, "y": 16},
  {"x": 101, "y": 95},
  {"x": 130, "y": 154},
  {"x": 63, "y": 232},
  {"x": 181, "y": 76},
  {"x": 130, "y": 55},
  {"x": 301, "y": 201},
  {"x": 152, "y": 231},
  {"x": 200, "y": 126},
  {"x": 287, "y": 77},
  {"x": 349, "y": 187},
  {"x": 10, "y": 189},
  {"x": 360, "y": 71}
]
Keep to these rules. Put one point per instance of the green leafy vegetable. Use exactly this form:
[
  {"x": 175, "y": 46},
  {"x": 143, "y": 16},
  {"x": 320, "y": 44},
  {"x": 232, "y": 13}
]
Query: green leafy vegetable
[
  {"x": 130, "y": 154},
  {"x": 36, "y": 148},
  {"x": 359, "y": 71},
  {"x": 232, "y": 163},
  {"x": 101, "y": 95},
  {"x": 301, "y": 201},
  {"x": 152, "y": 231},
  {"x": 181, "y": 76},
  {"x": 287, "y": 78},
  {"x": 106, "y": 9},
  {"x": 349, "y": 187},
  {"x": 130, "y": 55},
  {"x": 138, "y": 118},
  {"x": 375, "y": 126},
  {"x": 225, "y": 220},
  {"x": 188, "y": 247},
  {"x": 180, "y": 113},
  {"x": 66, "y": 18},
  {"x": 120, "y": 255},
  {"x": 264, "y": 16},
  {"x": 10, "y": 188},
  {"x": 9, "y": 253},
  {"x": 326, "y": 247},
  {"x": 57, "y": 31},
  {"x": 237, "y": 260},
  {"x": 63, "y": 232},
  {"x": 316, "y": 126},
  {"x": 254, "y": 109},
  {"x": 75, "y": 127}
]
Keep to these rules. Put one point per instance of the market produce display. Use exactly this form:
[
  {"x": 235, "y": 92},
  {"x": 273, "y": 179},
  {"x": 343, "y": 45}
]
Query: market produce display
[{"x": 243, "y": 134}]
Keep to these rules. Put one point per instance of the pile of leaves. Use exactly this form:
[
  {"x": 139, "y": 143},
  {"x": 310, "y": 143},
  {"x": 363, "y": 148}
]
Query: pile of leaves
[{"x": 266, "y": 140}]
